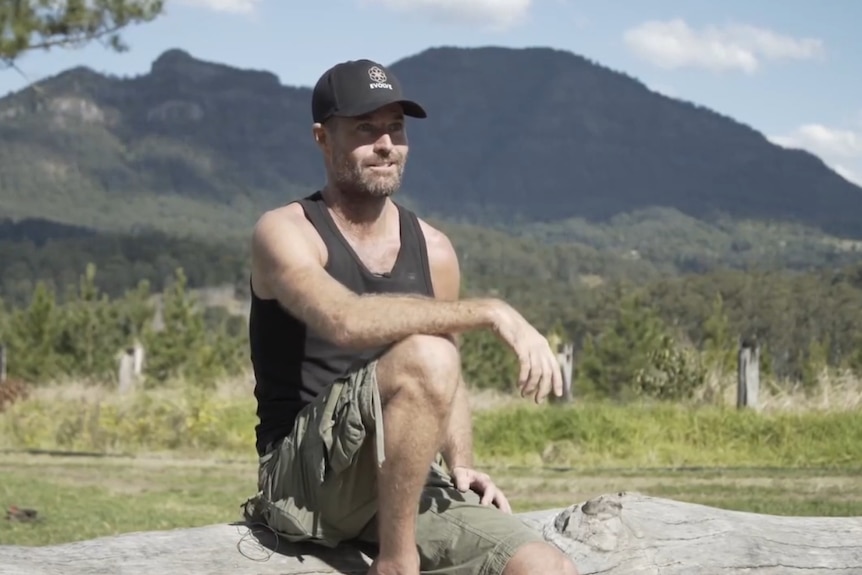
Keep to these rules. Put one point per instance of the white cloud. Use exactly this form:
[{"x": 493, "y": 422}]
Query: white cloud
[
  {"x": 674, "y": 44},
  {"x": 229, "y": 6},
  {"x": 841, "y": 149},
  {"x": 497, "y": 14}
]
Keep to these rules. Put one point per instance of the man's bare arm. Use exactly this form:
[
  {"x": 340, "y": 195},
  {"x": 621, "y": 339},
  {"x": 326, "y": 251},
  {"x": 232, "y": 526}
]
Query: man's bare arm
[
  {"x": 457, "y": 448},
  {"x": 286, "y": 261}
]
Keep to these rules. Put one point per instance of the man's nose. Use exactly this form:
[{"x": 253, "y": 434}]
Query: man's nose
[{"x": 384, "y": 142}]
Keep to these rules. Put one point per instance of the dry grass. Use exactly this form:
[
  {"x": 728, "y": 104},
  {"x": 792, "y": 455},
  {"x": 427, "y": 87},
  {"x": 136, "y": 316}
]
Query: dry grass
[
  {"x": 834, "y": 391},
  {"x": 93, "y": 391}
]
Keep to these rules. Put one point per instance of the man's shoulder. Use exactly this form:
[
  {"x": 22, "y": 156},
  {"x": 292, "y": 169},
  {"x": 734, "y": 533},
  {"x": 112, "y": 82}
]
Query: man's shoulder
[
  {"x": 289, "y": 215},
  {"x": 437, "y": 242},
  {"x": 286, "y": 223}
]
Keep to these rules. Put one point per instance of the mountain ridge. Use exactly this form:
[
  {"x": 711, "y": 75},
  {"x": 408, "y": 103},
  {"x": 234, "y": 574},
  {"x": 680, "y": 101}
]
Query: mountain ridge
[{"x": 524, "y": 135}]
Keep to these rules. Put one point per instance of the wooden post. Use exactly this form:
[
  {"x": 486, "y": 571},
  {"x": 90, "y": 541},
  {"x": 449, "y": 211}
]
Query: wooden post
[
  {"x": 748, "y": 384},
  {"x": 566, "y": 357},
  {"x": 126, "y": 375},
  {"x": 138, "y": 364},
  {"x": 2, "y": 363}
]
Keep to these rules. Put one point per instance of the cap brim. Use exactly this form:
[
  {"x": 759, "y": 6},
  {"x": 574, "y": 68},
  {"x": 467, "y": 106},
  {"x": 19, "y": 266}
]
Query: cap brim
[
  {"x": 410, "y": 108},
  {"x": 413, "y": 109}
]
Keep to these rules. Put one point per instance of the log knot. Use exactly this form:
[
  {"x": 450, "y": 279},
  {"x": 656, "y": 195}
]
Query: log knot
[{"x": 597, "y": 523}]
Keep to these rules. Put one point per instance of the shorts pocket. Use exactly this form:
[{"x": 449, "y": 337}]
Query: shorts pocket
[
  {"x": 347, "y": 433},
  {"x": 287, "y": 498},
  {"x": 289, "y": 520}
]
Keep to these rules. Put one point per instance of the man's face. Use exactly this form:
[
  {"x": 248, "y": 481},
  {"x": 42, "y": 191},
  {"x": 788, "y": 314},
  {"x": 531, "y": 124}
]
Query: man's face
[{"x": 367, "y": 154}]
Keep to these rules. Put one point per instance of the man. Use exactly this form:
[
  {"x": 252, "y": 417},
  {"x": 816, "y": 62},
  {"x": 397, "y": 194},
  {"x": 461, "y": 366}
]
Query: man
[{"x": 353, "y": 329}]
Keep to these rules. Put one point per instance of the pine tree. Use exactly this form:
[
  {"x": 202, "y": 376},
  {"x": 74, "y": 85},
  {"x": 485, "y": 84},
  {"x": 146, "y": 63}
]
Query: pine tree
[{"x": 44, "y": 24}]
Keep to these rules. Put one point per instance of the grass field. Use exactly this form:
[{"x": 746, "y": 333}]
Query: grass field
[
  {"x": 172, "y": 458},
  {"x": 85, "y": 497}
]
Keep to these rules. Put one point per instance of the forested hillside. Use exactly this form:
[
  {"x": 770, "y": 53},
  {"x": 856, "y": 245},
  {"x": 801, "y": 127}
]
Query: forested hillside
[
  {"x": 542, "y": 136},
  {"x": 710, "y": 234}
]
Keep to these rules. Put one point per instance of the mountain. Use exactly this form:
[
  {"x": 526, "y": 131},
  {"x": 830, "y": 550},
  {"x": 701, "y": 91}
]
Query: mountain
[{"x": 529, "y": 140}]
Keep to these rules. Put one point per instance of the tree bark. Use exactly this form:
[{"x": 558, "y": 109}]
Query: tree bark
[{"x": 610, "y": 534}]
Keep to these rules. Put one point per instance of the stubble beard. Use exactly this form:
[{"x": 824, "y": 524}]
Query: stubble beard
[{"x": 358, "y": 182}]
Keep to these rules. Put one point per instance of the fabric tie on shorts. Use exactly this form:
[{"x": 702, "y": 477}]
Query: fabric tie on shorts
[{"x": 378, "y": 424}]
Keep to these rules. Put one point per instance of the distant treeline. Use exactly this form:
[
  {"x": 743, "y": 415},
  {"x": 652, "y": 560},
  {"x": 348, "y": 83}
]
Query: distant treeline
[
  {"x": 659, "y": 339},
  {"x": 33, "y": 251},
  {"x": 623, "y": 315}
]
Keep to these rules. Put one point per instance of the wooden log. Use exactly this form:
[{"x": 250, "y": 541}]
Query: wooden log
[
  {"x": 610, "y": 534},
  {"x": 632, "y": 533}
]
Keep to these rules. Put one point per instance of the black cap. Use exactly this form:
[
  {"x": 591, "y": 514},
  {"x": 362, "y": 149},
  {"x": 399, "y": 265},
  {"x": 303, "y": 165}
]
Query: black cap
[{"x": 358, "y": 87}]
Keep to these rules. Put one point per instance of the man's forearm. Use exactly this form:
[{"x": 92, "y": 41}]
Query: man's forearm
[
  {"x": 457, "y": 447},
  {"x": 380, "y": 319}
]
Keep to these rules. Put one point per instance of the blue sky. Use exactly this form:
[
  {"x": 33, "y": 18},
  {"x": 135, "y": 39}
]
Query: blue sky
[{"x": 789, "y": 68}]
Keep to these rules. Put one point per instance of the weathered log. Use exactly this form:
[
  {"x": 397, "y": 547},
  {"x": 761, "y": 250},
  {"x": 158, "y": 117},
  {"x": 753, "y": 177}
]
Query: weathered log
[{"x": 611, "y": 534}]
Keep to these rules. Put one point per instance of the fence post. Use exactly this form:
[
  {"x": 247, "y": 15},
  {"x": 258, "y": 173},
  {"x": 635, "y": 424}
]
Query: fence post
[
  {"x": 138, "y": 367},
  {"x": 566, "y": 358},
  {"x": 748, "y": 384},
  {"x": 131, "y": 367}
]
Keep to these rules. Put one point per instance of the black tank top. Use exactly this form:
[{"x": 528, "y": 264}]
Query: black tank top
[{"x": 291, "y": 363}]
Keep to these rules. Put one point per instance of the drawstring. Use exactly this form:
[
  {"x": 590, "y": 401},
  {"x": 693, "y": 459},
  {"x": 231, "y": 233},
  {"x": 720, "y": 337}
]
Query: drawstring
[{"x": 378, "y": 423}]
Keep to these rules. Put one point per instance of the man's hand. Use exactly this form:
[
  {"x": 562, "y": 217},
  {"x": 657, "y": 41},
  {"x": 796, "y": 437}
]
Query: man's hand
[
  {"x": 465, "y": 478},
  {"x": 540, "y": 369}
]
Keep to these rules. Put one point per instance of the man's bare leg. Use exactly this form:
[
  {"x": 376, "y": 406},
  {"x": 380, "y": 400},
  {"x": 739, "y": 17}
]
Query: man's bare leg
[
  {"x": 417, "y": 380},
  {"x": 540, "y": 558}
]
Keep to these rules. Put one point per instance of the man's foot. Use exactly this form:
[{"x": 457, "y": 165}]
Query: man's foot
[{"x": 395, "y": 566}]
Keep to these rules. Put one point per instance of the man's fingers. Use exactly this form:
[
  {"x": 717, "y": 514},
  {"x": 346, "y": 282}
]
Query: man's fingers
[
  {"x": 488, "y": 495},
  {"x": 545, "y": 383},
  {"x": 535, "y": 378},
  {"x": 553, "y": 379},
  {"x": 524, "y": 375},
  {"x": 493, "y": 496},
  {"x": 462, "y": 479},
  {"x": 503, "y": 503}
]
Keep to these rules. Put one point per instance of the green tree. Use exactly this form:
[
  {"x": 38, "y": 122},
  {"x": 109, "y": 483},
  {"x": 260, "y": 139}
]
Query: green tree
[
  {"x": 816, "y": 363},
  {"x": 43, "y": 24},
  {"x": 718, "y": 342},
  {"x": 672, "y": 372},
  {"x": 487, "y": 363},
  {"x": 32, "y": 337},
  {"x": 635, "y": 356},
  {"x": 89, "y": 330},
  {"x": 170, "y": 349}
]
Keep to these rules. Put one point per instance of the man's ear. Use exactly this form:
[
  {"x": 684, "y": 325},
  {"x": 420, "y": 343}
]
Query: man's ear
[{"x": 319, "y": 134}]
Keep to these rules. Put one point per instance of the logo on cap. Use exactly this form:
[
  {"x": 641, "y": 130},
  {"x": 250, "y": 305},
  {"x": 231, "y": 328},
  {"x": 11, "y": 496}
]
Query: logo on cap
[{"x": 378, "y": 78}]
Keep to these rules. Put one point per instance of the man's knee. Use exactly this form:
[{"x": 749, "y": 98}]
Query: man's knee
[
  {"x": 424, "y": 365},
  {"x": 539, "y": 557}
]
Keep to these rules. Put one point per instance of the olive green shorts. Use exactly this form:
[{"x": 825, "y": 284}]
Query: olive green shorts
[{"x": 319, "y": 484}]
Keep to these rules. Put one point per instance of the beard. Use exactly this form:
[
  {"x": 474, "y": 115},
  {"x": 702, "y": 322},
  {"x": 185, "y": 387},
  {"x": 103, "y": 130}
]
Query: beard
[{"x": 356, "y": 179}]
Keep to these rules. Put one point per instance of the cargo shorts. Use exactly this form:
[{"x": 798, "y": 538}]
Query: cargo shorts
[{"x": 319, "y": 485}]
